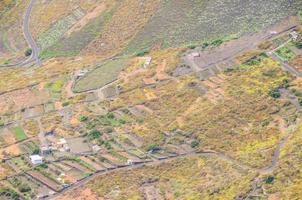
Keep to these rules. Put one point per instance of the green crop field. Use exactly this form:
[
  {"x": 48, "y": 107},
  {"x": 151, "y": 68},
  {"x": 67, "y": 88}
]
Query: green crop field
[
  {"x": 51, "y": 36},
  {"x": 100, "y": 76},
  {"x": 19, "y": 133}
]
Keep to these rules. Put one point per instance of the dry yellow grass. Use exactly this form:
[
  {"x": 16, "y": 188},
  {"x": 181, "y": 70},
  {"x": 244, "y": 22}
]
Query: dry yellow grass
[
  {"x": 122, "y": 27},
  {"x": 47, "y": 13}
]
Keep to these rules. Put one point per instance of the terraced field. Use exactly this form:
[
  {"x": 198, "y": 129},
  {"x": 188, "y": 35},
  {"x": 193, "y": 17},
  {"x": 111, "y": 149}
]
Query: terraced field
[
  {"x": 100, "y": 76},
  {"x": 184, "y": 114}
]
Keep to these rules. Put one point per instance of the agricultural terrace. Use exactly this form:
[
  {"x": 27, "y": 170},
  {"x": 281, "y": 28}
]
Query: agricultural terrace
[
  {"x": 81, "y": 33},
  {"x": 100, "y": 76},
  {"x": 183, "y": 105}
]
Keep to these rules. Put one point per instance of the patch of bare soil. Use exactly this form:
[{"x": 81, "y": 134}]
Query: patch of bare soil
[
  {"x": 296, "y": 63},
  {"x": 8, "y": 137},
  {"x": 227, "y": 51},
  {"x": 215, "y": 90},
  {"x": 18, "y": 99},
  {"x": 150, "y": 192},
  {"x": 86, "y": 194}
]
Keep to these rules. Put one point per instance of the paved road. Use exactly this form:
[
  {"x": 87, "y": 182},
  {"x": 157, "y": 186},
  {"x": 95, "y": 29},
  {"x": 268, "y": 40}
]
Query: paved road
[{"x": 34, "y": 57}]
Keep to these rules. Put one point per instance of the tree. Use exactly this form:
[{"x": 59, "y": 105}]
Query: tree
[
  {"x": 194, "y": 143},
  {"x": 24, "y": 188},
  {"x": 269, "y": 179},
  {"x": 28, "y": 52},
  {"x": 275, "y": 93},
  {"x": 83, "y": 118}
]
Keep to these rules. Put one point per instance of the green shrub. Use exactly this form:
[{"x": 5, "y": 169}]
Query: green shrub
[
  {"x": 153, "y": 147},
  {"x": 24, "y": 188},
  {"x": 195, "y": 144},
  {"x": 94, "y": 134},
  {"x": 28, "y": 52},
  {"x": 205, "y": 45},
  {"x": 275, "y": 93},
  {"x": 217, "y": 42},
  {"x": 298, "y": 45},
  {"x": 142, "y": 53},
  {"x": 83, "y": 118},
  {"x": 269, "y": 180},
  {"x": 192, "y": 46},
  {"x": 285, "y": 53}
]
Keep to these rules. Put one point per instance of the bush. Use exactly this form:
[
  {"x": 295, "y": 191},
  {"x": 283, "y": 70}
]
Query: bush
[
  {"x": 205, "y": 45},
  {"x": 153, "y": 147},
  {"x": 299, "y": 45},
  {"x": 275, "y": 93},
  {"x": 28, "y": 52},
  {"x": 192, "y": 46},
  {"x": 217, "y": 42},
  {"x": 269, "y": 180},
  {"x": 110, "y": 115},
  {"x": 142, "y": 53},
  {"x": 83, "y": 118},
  {"x": 94, "y": 134},
  {"x": 24, "y": 188},
  {"x": 194, "y": 144}
]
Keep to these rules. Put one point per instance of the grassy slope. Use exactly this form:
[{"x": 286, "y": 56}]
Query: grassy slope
[
  {"x": 11, "y": 33},
  {"x": 73, "y": 44},
  {"x": 195, "y": 21}
]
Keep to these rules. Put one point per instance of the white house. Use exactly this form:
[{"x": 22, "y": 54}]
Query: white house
[{"x": 36, "y": 159}]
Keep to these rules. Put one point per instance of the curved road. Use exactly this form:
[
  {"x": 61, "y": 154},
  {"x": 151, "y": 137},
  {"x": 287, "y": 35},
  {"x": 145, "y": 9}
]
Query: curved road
[{"x": 34, "y": 57}]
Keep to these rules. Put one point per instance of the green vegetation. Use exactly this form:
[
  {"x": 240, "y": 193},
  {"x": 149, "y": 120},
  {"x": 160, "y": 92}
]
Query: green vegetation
[
  {"x": 177, "y": 24},
  {"x": 300, "y": 15},
  {"x": 195, "y": 144},
  {"x": 51, "y": 36},
  {"x": 55, "y": 86},
  {"x": 77, "y": 41},
  {"x": 269, "y": 179},
  {"x": 19, "y": 133},
  {"x": 28, "y": 52},
  {"x": 256, "y": 60},
  {"x": 285, "y": 53},
  {"x": 153, "y": 147},
  {"x": 105, "y": 120},
  {"x": 100, "y": 76},
  {"x": 298, "y": 45},
  {"x": 83, "y": 118},
  {"x": 8, "y": 193},
  {"x": 94, "y": 134}
]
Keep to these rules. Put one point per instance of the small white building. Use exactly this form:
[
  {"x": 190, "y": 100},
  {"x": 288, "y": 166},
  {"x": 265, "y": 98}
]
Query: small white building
[
  {"x": 36, "y": 159},
  {"x": 147, "y": 62},
  {"x": 294, "y": 35},
  {"x": 195, "y": 54}
]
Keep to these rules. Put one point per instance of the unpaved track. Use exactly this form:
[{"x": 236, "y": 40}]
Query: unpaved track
[
  {"x": 34, "y": 57},
  {"x": 221, "y": 156}
]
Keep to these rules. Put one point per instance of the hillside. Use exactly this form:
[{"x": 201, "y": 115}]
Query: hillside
[{"x": 150, "y": 99}]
